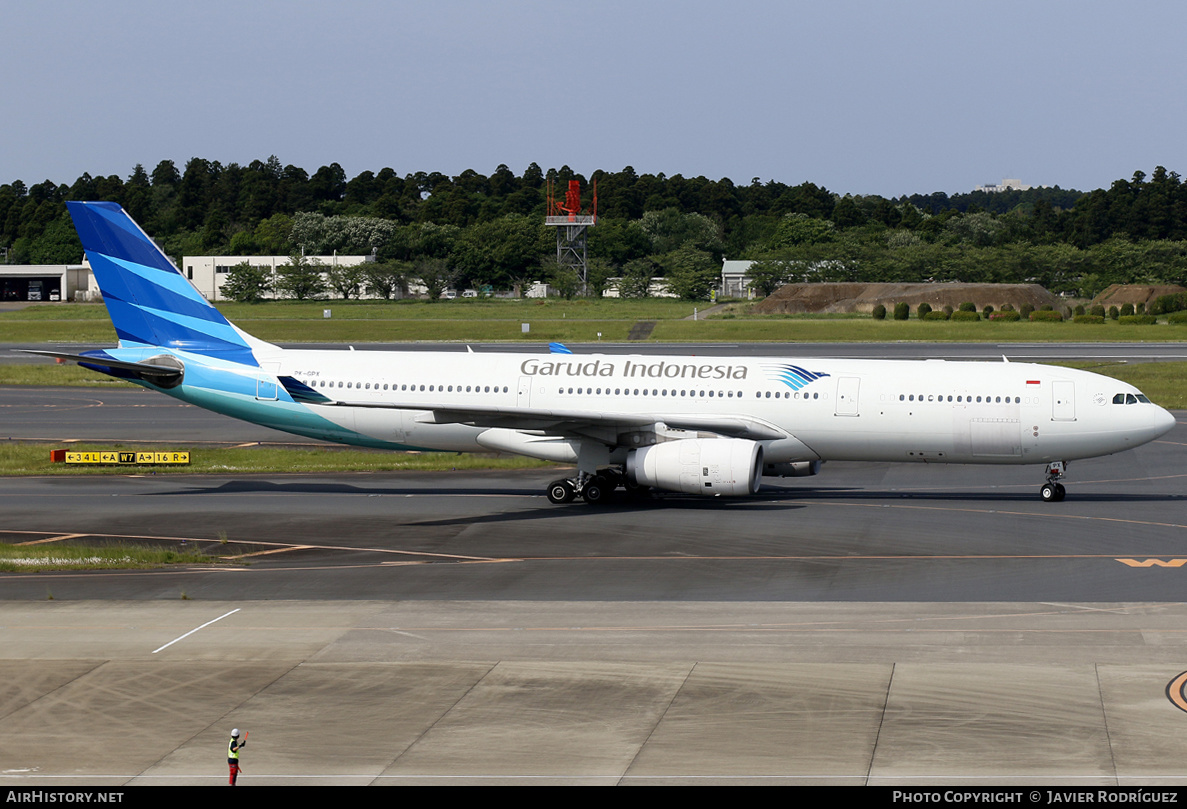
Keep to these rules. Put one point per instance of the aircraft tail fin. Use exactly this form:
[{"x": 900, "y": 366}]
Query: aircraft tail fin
[{"x": 150, "y": 302}]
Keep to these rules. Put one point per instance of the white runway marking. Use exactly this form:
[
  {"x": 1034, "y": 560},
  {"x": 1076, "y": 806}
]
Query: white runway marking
[{"x": 195, "y": 629}]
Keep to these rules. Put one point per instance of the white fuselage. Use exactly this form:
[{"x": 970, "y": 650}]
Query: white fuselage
[{"x": 826, "y": 409}]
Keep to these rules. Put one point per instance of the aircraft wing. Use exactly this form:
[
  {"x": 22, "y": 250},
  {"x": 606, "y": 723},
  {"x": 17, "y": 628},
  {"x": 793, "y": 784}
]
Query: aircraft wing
[{"x": 578, "y": 421}]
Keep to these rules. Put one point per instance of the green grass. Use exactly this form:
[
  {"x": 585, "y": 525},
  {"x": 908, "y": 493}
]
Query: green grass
[
  {"x": 516, "y": 311},
  {"x": 18, "y": 459},
  {"x": 51, "y": 374},
  {"x": 59, "y": 556},
  {"x": 1164, "y": 382},
  {"x": 566, "y": 321},
  {"x": 460, "y": 331},
  {"x": 369, "y": 321},
  {"x": 845, "y": 329}
]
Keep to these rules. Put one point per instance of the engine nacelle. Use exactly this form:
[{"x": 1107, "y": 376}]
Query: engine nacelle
[
  {"x": 708, "y": 466},
  {"x": 796, "y": 469}
]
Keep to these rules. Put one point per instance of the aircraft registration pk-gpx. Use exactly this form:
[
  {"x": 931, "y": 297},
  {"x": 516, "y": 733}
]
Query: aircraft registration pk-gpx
[{"x": 697, "y": 425}]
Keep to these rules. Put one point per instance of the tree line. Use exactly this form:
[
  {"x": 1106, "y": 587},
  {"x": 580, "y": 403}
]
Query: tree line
[{"x": 488, "y": 231}]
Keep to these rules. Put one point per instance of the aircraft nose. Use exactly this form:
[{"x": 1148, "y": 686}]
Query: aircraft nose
[{"x": 1164, "y": 420}]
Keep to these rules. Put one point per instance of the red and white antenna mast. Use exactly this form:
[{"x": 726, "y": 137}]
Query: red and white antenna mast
[{"x": 571, "y": 223}]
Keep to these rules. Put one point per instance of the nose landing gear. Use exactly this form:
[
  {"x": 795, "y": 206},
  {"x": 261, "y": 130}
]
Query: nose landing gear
[{"x": 1052, "y": 491}]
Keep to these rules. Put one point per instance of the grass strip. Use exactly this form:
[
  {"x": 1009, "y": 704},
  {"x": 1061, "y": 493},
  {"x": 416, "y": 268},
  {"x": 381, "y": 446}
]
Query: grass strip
[
  {"x": 121, "y": 556},
  {"x": 51, "y": 374},
  {"x": 22, "y": 459},
  {"x": 565, "y": 321},
  {"x": 1164, "y": 382}
]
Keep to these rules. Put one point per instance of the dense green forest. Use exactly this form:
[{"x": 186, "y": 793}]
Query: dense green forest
[{"x": 488, "y": 230}]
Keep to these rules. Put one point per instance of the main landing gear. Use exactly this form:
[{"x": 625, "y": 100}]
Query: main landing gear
[
  {"x": 594, "y": 489},
  {"x": 1052, "y": 491}
]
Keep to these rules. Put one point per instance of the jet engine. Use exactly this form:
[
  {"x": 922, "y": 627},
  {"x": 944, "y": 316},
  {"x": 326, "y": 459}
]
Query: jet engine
[{"x": 708, "y": 466}]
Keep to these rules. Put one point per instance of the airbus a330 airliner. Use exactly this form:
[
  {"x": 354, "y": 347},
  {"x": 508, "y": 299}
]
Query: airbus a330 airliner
[{"x": 698, "y": 425}]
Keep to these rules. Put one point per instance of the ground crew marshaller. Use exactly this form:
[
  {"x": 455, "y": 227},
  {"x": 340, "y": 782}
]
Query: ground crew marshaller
[{"x": 233, "y": 753}]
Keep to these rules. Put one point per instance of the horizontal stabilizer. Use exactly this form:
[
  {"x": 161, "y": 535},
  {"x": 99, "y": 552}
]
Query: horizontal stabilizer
[{"x": 161, "y": 375}]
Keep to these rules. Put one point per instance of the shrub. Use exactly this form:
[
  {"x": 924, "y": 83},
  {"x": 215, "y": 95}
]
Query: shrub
[
  {"x": 1088, "y": 319},
  {"x": 923, "y": 310},
  {"x": 1098, "y": 310},
  {"x": 902, "y": 311},
  {"x": 1008, "y": 317},
  {"x": 1138, "y": 320},
  {"x": 965, "y": 315},
  {"x": 948, "y": 310},
  {"x": 1006, "y": 307},
  {"x": 1113, "y": 313},
  {"x": 1025, "y": 311},
  {"x": 1178, "y": 318},
  {"x": 879, "y": 312},
  {"x": 1079, "y": 310},
  {"x": 940, "y": 315},
  {"x": 1140, "y": 309},
  {"x": 1126, "y": 309},
  {"x": 967, "y": 307},
  {"x": 988, "y": 310},
  {"x": 1045, "y": 315},
  {"x": 1170, "y": 303}
]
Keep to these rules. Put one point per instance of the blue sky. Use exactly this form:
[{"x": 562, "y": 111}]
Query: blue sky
[{"x": 883, "y": 98}]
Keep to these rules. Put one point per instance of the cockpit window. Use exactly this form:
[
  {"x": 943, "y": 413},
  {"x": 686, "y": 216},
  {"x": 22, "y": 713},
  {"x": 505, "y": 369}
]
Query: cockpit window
[{"x": 1143, "y": 399}]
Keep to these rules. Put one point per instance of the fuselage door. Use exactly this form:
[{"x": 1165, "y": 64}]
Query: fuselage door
[
  {"x": 266, "y": 382},
  {"x": 524, "y": 395},
  {"x": 1063, "y": 401},
  {"x": 847, "y": 389}
]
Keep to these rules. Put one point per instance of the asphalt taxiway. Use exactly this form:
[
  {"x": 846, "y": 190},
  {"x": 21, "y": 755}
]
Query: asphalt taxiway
[{"x": 877, "y": 624}]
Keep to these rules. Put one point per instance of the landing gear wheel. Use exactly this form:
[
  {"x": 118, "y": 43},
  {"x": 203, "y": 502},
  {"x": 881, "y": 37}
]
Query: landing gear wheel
[
  {"x": 1052, "y": 492},
  {"x": 597, "y": 490},
  {"x": 561, "y": 491}
]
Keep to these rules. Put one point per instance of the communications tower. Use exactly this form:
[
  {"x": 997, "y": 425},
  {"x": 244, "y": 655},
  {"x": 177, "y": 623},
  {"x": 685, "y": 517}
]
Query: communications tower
[{"x": 571, "y": 224}]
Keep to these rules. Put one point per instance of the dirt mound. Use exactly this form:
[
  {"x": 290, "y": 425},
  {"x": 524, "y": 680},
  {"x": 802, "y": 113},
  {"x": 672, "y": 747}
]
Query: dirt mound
[
  {"x": 1120, "y": 294},
  {"x": 840, "y": 297}
]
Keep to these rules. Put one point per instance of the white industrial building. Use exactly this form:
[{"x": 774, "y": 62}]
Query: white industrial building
[
  {"x": 74, "y": 282},
  {"x": 45, "y": 282},
  {"x": 1005, "y": 185},
  {"x": 735, "y": 279},
  {"x": 209, "y": 273}
]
